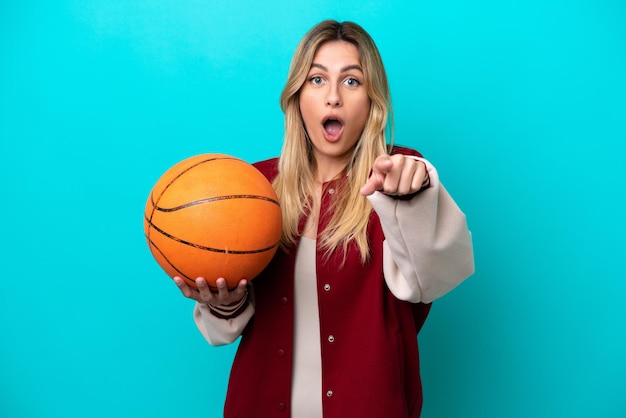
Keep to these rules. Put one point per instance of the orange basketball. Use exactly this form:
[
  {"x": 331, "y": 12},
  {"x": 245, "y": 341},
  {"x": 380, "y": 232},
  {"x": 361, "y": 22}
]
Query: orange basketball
[{"x": 213, "y": 216}]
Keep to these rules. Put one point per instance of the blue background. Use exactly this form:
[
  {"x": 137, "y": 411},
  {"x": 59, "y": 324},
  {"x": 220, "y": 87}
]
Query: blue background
[{"x": 520, "y": 105}]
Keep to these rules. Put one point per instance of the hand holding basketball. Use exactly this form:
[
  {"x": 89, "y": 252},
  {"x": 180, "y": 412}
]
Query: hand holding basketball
[{"x": 203, "y": 294}]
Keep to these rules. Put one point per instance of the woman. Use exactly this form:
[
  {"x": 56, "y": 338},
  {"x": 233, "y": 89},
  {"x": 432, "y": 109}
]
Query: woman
[{"x": 370, "y": 238}]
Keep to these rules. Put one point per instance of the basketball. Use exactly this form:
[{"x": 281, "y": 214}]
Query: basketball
[{"x": 213, "y": 216}]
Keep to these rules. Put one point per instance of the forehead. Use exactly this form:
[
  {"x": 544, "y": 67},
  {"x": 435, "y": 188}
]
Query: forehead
[{"x": 341, "y": 53}]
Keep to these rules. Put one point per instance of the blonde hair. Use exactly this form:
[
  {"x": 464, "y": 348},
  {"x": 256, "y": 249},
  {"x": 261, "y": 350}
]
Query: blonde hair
[{"x": 295, "y": 182}]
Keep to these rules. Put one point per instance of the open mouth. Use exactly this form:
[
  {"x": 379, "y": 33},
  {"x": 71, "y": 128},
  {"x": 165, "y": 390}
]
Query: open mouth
[{"x": 332, "y": 128}]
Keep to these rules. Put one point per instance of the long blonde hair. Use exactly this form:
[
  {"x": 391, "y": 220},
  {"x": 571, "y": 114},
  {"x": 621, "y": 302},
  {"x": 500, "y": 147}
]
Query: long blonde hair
[{"x": 295, "y": 182}]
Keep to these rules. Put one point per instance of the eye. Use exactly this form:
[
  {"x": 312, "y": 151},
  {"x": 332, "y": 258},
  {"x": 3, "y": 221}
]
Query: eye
[
  {"x": 352, "y": 82},
  {"x": 316, "y": 80}
]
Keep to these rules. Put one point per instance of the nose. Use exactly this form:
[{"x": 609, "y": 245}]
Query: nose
[{"x": 333, "y": 99}]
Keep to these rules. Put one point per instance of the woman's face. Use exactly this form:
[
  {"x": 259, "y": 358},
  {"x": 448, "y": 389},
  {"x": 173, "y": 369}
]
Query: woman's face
[{"x": 334, "y": 102}]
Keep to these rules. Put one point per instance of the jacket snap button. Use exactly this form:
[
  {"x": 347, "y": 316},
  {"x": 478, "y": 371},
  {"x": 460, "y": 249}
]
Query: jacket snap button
[
  {"x": 331, "y": 191},
  {"x": 283, "y": 300},
  {"x": 281, "y": 406},
  {"x": 327, "y": 287},
  {"x": 331, "y": 338},
  {"x": 329, "y": 393}
]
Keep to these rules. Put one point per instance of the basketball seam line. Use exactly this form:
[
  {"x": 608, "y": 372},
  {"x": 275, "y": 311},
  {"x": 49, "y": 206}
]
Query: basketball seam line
[
  {"x": 214, "y": 199},
  {"x": 202, "y": 247},
  {"x": 167, "y": 259}
]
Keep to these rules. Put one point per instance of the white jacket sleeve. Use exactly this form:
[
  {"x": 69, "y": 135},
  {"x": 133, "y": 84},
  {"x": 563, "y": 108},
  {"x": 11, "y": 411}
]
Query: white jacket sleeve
[
  {"x": 219, "y": 331},
  {"x": 428, "y": 247}
]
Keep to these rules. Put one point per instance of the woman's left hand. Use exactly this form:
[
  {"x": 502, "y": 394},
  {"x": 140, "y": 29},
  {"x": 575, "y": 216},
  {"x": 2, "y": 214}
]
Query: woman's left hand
[{"x": 396, "y": 175}]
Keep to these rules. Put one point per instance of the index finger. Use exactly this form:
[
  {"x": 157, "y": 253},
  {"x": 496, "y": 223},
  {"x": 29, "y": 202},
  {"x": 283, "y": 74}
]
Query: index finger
[
  {"x": 382, "y": 164},
  {"x": 376, "y": 180}
]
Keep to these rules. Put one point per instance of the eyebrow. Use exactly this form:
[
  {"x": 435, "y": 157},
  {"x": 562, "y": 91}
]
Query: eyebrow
[{"x": 343, "y": 70}]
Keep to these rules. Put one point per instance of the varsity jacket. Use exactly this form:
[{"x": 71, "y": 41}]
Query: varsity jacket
[{"x": 369, "y": 314}]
